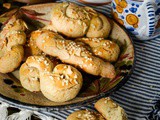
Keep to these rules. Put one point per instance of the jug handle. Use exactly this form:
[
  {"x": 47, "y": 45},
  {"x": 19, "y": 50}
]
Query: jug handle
[{"x": 151, "y": 17}]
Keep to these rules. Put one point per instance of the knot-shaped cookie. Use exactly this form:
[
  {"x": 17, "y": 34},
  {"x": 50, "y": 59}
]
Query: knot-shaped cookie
[
  {"x": 73, "y": 53},
  {"x": 102, "y": 48},
  {"x": 63, "y": 84},
  {"x": 58, "y": 83},
  {"x": 12, "y": 39},
  {"x": 77, "y": 21},
  {"x": 31, "y": 69}
]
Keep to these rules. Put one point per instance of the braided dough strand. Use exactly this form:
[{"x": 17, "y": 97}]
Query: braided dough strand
[
  {"x": 73, "y": 53},
  {"x": 102, "y": 48},
  {"x": 12, "y": 38},
  {"x": 63, "y": 84},
  {"x": 31, "y": 69}
]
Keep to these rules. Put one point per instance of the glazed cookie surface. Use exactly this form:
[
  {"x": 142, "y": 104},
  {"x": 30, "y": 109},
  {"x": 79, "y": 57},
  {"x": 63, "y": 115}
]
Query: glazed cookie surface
[
  {"x": 61, "y": 85},
  {"x": 110, "y": 110},
  {"x": 73, "y": 53},
  {"x": 102, "y": 48},
  {"x": 30, "y": 72}
]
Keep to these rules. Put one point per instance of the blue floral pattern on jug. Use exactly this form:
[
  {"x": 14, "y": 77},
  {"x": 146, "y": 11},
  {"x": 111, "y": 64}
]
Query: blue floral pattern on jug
[{"x": 137, "y": 17}]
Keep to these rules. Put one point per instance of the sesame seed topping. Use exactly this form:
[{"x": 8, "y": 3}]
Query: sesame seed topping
[
  {"x": 91, "y": 64},
  {"x": 75, "y": 76},
  {"x": 67, "y": 77},
  {"x": 62, "y": 76},
  {"x": 30, "y": 70},
  {"x": 79, "y": 115},
  {"x": 93, "y": 25},
  {"x": 115, "y": 105},
  {"x": 99, "y": 53},
  {"x": 55, "y": 69},
  {"x": 51, "y": 77},
  {"x": 34, "y": 78},
  {"x": 75, "y": 81}
]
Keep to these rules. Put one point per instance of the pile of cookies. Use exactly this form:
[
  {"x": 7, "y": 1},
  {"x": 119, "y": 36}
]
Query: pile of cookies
[
  {"x": 107, "y": 110},
  {"x": 51, "y": 58}
]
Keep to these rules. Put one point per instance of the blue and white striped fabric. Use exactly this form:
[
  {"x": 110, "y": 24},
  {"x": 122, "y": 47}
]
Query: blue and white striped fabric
[{"x": 142, "y": 91}]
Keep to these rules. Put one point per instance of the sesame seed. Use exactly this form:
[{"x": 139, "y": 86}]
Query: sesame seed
[
  {"x": 75, "y": 81},
  {"x": 34, "y": 78},
  {"x": 55, "y": 69},
  {"x": 62, "y": 83},
  {"x": 51, "y": 77},
  {"x": 99, "y": 53},
  {"x": 115, "y": 105},
  {"x": 65, "y": 67},
  {"x": 104, "y": 44},
  {"x": 58, "y": 78},
  {"x": 62, "y": 76},
  {"x": 75, "y": 76},
  {"x": 30, "y": 70},
  {"x": 79, "y": 115},
  {"x": 107, "y": 98},
  {"x": 107, "y": 43},
  {"x": 79, "y": 22},
  {"x": 67, "y": 77},
  {"x": 93, "y": 25}
]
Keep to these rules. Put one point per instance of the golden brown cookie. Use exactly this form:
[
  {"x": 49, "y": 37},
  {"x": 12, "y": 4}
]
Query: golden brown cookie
[
  {"x": 63, "y": 84},
  {"x": 75, "y": 21},
  {"x": 102, "y": 48},
  {"x": 12, "y": 39},
  {"x": 85, "y": 115},
  {"x": 110, "y": 110},
  {"x": 73, "y": 53}
]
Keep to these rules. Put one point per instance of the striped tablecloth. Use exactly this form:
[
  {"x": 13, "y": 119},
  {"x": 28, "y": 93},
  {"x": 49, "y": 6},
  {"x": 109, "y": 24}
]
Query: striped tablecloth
[{"x": 140, "y": 96}]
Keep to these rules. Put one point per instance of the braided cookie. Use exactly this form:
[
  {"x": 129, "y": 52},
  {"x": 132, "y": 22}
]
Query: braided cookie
[
  {"x": 85, "y": 115},
  {"x": 102, "y": 48},
  {"x": 73, "y": 53},
  {"x": 12, "y": 39},
  {"x": 30, "y": 72},
  {"x": 63, "y": 84},
  {"x": 110, "y": 110},
  {"x": 77, "y": 21}
]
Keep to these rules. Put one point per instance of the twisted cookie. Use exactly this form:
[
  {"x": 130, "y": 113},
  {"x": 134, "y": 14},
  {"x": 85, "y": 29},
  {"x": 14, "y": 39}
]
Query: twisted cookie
[
  {"x": 12, "y": 39},
  {"x": 31, "y": 69},
  {"x": 85, "y": 115},
  {"x": 76, "y": 21},
  {"x": 58, "y": 83},
  {"x": 73, "y": 53},
  {"x": 105, "y": 49}
]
